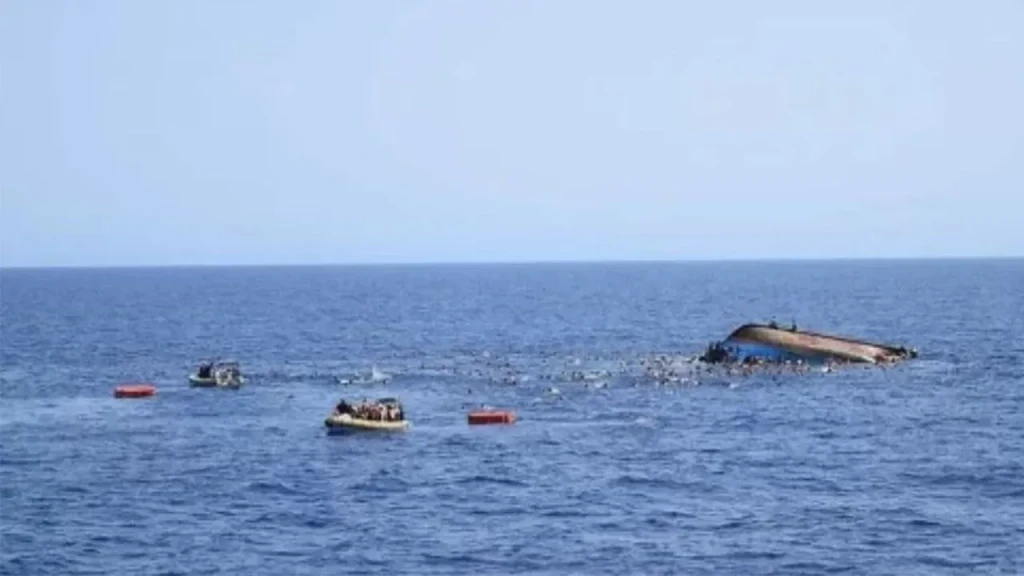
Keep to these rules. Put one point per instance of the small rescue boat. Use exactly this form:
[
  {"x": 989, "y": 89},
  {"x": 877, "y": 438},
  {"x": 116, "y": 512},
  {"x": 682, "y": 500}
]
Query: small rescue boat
[
  {"x": 383, "y": 415},
  {"x": 222, "y": 374},
  {"x": 343, "y": 423}
]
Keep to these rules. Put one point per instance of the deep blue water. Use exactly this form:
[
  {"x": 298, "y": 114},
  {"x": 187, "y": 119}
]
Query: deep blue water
[{"x": 916, "y": 469}]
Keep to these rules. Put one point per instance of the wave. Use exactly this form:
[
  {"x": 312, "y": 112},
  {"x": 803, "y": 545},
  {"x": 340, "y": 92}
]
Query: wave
[{"x": 487, "y": 479}]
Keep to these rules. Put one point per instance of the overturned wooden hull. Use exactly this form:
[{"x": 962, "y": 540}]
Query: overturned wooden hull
[{"x": 754, "y": 342}]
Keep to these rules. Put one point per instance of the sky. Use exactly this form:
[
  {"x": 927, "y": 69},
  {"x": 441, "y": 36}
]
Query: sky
[{"x": 177, "y": 132}]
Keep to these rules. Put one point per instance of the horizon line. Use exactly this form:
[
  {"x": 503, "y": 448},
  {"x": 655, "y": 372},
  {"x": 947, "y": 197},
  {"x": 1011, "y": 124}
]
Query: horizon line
[{"x": 382, "y": 264}]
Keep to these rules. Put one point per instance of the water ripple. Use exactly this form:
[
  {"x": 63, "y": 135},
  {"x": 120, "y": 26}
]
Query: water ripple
[{"x": 912, "y": 470}]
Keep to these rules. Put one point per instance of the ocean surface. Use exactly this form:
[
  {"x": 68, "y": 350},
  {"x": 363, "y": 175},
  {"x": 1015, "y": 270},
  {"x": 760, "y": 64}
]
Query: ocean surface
[{"x": 914, "y": 469}]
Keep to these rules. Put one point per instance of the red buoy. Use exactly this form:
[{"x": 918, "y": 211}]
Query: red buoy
[
  {"x": 492, "y": 417},
  {"x": 134, "y": 391}
]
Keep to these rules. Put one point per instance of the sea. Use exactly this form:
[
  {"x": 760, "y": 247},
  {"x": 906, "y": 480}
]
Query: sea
[{"x": 915, "y": 468}]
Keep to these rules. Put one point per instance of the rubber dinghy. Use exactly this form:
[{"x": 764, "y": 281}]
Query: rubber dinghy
[
  {"x": 221, "y": 374},
  {"x": 382, "y": 415},
  {"x": 341, "y": 423}
]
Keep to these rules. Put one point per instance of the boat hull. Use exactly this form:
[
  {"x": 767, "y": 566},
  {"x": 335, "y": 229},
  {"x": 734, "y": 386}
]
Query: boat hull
[
  {"x": 746, "y": 351},
  {"x": 197, "y": 382},
  {"x": 347, "y": 425},
  {"x": 755, "y": 341}
]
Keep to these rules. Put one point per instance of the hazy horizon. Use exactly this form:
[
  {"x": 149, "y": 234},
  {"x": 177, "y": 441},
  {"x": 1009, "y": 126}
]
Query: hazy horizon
[
  {"x": 485, "y": 263},
  {"x": 340, "y": 133}
]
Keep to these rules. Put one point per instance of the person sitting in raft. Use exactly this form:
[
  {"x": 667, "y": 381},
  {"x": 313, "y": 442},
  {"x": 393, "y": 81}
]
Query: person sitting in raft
[
  {"x": 362, "y": 410},
  {"x": 343, "y": 408},
  {"x": 204, "y": 370}
]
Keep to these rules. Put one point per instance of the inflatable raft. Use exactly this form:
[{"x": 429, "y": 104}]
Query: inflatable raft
[
  {"x": 344, "y": 423},
  {"x": 482, "y": 417},
  {"x": 222, "y": 374},
  {"x": 134, "y": 391},
  {"x": 198, "y": 382}
]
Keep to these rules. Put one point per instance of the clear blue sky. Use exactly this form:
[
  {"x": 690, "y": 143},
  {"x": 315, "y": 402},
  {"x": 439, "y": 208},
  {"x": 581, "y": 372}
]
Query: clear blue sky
[{"x": 198, "y": 132}]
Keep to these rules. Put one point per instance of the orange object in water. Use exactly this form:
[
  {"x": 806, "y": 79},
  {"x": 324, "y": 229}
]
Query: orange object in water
[
  {"x": 492, "y": 417},
  {"x": 134, "y": 391}
]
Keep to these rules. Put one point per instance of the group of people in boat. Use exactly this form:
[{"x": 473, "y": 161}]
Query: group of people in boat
[
  {"x": 219, "y": 373},
  {"x": 366, "y": 410},
  {"x": 210, "y": 369}
]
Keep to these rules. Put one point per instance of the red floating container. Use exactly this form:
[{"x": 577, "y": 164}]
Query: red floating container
[
  {"x": 491, "y": 417},
  {"x": 134, "y": 391}
]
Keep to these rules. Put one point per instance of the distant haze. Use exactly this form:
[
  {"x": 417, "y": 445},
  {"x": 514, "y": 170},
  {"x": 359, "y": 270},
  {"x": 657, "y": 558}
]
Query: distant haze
[{"x": 195, "y": 132}]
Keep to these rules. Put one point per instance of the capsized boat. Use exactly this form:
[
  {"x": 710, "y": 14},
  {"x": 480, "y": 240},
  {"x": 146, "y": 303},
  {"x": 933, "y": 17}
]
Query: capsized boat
[
  {"x": 770, "y": 343},
  {"x": 217, "y": 374},
  {"x": 381, "y": 415}
]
